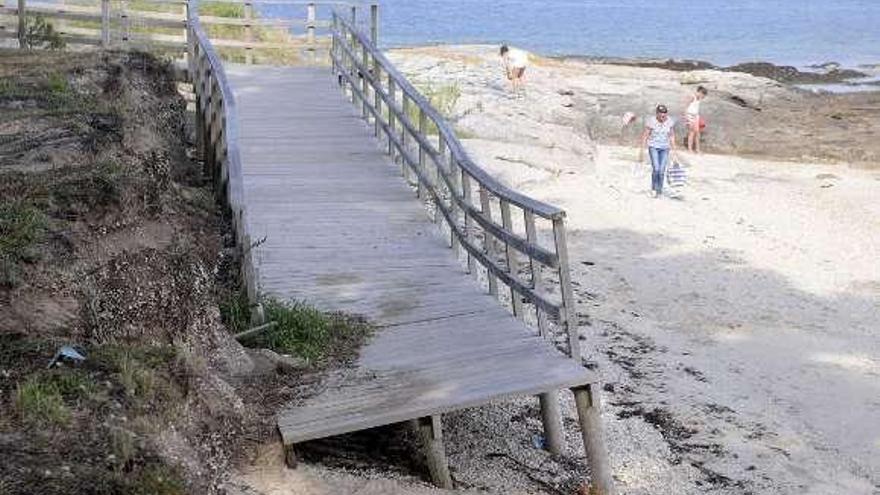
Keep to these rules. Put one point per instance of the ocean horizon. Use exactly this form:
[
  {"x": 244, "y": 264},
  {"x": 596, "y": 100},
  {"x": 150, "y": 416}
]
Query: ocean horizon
[{"x": 785, "y": 32}]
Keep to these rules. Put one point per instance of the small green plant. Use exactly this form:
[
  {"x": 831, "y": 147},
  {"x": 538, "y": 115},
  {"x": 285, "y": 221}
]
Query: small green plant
[
  {"x": 299, "y": 329},
  {"x": 39, "y": 33},
  {"x": 72, "y": 384},
  {"x": 123, "y": 445},
  {"x": 442, "y": 98},
  {"x": 235, "y": 312},
  {"x": 22, "y": 227},
  {"x": 158, "y": 479},
  {"x": 142, "y": 373},
  {"x": 8, "y": 89},
  {"x": 101, "y": 185},
  {"x": 134, "y": 378},
  {"x": 221, "y": 9},
  {"x": 39, "y": 402},
  {"x": 309, "y": 333},
  {"x": 464, "y": 133},
  {"x": 58, "y": 83}
]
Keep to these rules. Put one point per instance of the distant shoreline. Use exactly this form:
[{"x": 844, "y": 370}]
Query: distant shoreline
[
  {"x": 833, "y": 75},
  {"x": 827, "y": 73}
]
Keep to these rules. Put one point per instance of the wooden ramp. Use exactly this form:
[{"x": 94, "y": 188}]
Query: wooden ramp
[
  {"x": 344, "y": 232},
  {"x": 297, "y": 164}
]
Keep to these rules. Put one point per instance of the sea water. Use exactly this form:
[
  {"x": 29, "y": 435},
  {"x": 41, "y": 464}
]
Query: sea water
[{"x": 724, "y": 32}]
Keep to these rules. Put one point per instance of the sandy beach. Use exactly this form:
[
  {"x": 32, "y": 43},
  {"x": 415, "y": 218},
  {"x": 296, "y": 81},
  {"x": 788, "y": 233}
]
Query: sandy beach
[
  {"x": 734, "y": 322},
  {"x": 738, "y": 319}
]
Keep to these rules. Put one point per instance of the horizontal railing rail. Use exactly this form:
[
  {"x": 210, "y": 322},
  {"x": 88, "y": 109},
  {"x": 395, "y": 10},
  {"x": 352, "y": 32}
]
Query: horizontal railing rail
[
  {"x": 119, "y": 23},
  {"x": 461, "y": 194}
]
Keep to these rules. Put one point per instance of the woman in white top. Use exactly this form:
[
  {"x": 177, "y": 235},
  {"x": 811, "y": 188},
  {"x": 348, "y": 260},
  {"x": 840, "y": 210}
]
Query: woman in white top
[
  {"x": 659, "y": 138},
  {"x": 694, "y": 122},
  {"x": 515, "y": 63}
]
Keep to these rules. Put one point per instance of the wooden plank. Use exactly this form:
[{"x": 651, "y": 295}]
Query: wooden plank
[
  {"x": 406, "y": 403},
  {"x": 343, "y": 232}
]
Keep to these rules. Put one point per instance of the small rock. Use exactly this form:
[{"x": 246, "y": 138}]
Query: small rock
[{"x": 284, "y": 362}]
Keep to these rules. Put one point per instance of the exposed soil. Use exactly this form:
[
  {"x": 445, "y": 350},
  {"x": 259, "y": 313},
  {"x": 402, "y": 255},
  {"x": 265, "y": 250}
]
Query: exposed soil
[{"x": 112, "y": 243}]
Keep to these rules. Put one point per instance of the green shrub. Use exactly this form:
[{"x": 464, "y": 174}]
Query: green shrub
[
  {"x": 442, "y": 98},
  {"x": 235, "y": 311},
  {"x": 22, "y": 227},
  {"x": 101, "y": 185},
  {"x": 39, "y": 402},
  {"x": 58, "y": 83},
  {"x": 221, "y": 9},
  {"x": 39, "y": 33},
  {"x": 158, "y": 479},
  {"x": 141, "y": 371},
  {"x": 299, "y": 330},
  {"x": 72, "y": 384},
  {"x": 309, "y": 333}
]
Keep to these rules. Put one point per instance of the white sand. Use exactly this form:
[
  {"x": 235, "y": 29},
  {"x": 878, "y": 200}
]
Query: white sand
[
  {"x": 748, "y": 309},
  {"x": 737, "y": 326}
]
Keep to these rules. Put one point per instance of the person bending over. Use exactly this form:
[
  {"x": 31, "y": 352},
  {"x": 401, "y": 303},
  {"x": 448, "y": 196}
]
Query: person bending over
[{"x": 515, "y": 62}]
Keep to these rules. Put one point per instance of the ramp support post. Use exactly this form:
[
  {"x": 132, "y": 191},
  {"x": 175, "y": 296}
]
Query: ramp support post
[
  {"x": 290, "y": 459},
  {"x": 429, "y": 431},
  {"x": 552, "y": 419},
  {"x": 587, "y": 402}
]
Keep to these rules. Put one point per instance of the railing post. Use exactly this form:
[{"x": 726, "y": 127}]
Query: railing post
[
  {"x": 512, "y": 261},
  {"x": 377, "y": 101},
  {"x": 532, "y": 237},
  {"x": 438, "y": 183},
  {"x": 467, "y": 194},
  {"x": 352, "y": 70},
  {"x": 488, "y": 241},
  {"x": 365, "y": 84},
  {"x": 404, "y": 139},
  {"x": 310, "y": 25},
  {"x": 334, "y": 30},
  {"x": 392, "y": 97},
  {"x": 374, "y": 24},
  {"x": 423, "y": 123},
  {"x": 455, "y": 179},
  {"x": 248, "y": 32},
  {"x": 185, "y": 11},
  {"x": 22, "y": 24},
  {"x": 126, "y": 23},
  {"x": 568, "y": 314},
  {"x": 105, "y": 24}
]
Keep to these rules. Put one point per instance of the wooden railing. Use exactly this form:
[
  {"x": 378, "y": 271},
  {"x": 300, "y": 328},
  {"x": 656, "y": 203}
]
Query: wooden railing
[
  {"x": 476, "y": 209},
  {"x": 217, "y": 140},
  {"x": 151, "y": 23}
]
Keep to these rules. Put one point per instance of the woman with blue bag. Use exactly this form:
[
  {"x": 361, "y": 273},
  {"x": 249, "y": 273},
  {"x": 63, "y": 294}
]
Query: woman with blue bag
[{"x": 659, "y": 138}]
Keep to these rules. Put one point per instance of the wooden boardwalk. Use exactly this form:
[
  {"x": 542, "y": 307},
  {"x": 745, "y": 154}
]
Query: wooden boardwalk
[
  {"x": 324, "y": 187},
  {"x": 344, "y": 232}
]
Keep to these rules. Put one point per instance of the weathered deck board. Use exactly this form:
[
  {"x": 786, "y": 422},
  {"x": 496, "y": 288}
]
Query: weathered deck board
[{"x": 344, "y": 232}]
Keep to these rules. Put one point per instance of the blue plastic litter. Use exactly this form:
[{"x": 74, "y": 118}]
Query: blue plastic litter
[
  {"x": 66, "y": 353},
  {"x": 539, "y": 442}
]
